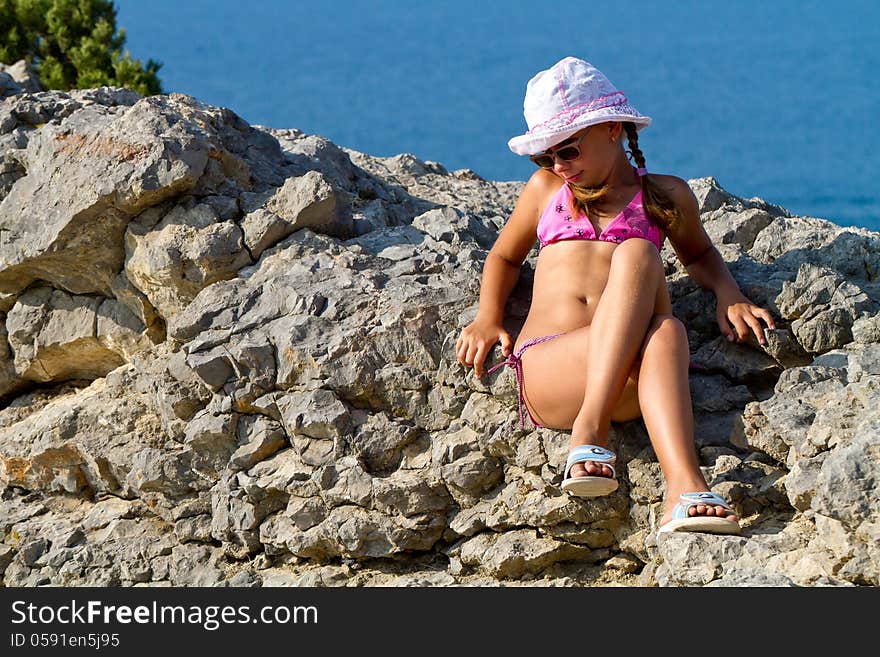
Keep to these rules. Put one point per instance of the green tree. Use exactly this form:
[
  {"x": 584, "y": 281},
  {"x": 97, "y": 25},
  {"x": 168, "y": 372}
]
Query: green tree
[{"x": 73, "y": 44}]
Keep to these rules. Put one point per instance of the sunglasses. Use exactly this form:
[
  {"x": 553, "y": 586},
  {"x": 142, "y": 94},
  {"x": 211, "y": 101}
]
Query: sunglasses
[{"x": 569, "y": 152}]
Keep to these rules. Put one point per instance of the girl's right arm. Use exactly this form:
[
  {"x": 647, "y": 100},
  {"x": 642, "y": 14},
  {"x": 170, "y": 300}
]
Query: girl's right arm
[{"x": 500, "y": 274}]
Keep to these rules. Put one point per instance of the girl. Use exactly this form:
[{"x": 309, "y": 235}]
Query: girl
[{"x": 600, "y": 342}]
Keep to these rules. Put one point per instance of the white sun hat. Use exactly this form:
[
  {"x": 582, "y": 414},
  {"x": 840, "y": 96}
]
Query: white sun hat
[{"x": 568, "y": 97}]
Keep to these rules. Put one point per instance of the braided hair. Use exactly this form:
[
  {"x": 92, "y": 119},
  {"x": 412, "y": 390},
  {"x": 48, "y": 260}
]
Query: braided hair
[{"x": 656, "y": 202}]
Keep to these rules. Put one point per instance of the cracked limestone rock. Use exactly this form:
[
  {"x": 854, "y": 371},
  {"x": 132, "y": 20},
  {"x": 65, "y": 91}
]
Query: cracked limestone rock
[{"x": 227, "y": 359}]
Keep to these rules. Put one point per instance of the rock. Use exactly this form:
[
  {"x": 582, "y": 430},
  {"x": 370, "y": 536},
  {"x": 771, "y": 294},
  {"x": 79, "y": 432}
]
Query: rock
[
  {"x": 737, "y": 362},
  {"x": 9, "y": 86},
  {"x": 227, "y": 358},
  {"x": 105, "y": 511},
  {"x": 31, "y": 552},
  {"x": 379, "y": 442},
  {"x": 710, "y": 196},
  {"x": 194, "y": 566},
  {"x": 58, "y": 336},
  {"x": 57, "y": 469},
  {"x": 512, "y": 554},
  {"x": 183, "y": 254},
  {"x": 195, "y": 528},
  {"x": 77, "y": 245},
  {"x": 23, "y": 76},
  {"x": 259, "y": 438},
  {"x": 752, "y": 577},
  {"x": 156, "y": 471},
  {"x": 739, "y": 228},
  {"x": 6, "y": 556},
  {"x": 307, "y": 201},
  {"x": 824, "y": 307},
  {"x": 409, "y": 494},
  {"x": 625, "y": 563},
  {"x": 245, "y": 579}
]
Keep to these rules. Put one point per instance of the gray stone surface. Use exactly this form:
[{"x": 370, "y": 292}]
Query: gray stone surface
[{"x": 226, "y": 359}]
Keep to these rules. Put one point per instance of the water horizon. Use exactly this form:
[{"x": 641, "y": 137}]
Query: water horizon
[{"x": 767, "y": 99}]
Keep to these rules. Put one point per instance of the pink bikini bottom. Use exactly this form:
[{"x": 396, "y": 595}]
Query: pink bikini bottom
[{"x": 514, "y": 361}]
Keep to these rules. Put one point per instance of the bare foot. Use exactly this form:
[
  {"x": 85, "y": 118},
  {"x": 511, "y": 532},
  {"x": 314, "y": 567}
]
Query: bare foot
[
  {"x": 698, "y": 510},
  {"x": 590, "y": 469}
]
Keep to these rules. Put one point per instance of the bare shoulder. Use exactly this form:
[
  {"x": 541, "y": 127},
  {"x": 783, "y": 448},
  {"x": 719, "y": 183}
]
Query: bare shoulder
[
  {"x": 676, "y": 188},
  {"x": 543, "y": 183},
  {"x": 539, "y": 190},
  {"x": 687, "y": 236},
  {"x": 519, "y": 233}
]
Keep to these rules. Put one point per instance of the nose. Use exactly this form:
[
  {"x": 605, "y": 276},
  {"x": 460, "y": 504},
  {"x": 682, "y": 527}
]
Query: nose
[{"x": 559, "y": 165}]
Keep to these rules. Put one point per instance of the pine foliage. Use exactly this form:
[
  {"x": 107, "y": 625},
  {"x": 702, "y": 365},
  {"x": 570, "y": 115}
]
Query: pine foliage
[{"x": 73, "y": 44}]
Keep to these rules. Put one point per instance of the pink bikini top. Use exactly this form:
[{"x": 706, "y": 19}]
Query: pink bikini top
[{"x": 557, "y": 223}]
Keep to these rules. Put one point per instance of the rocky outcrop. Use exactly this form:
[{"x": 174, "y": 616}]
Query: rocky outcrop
[
  {"x": 18, "y": 78},
  {"x": 227, "y": 360}
]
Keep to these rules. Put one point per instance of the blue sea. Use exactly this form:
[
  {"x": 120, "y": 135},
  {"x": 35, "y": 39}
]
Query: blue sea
[{"x": 774, "y": 99}]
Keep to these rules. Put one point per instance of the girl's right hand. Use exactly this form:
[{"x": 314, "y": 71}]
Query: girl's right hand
[{"x": 476, "y": 341}]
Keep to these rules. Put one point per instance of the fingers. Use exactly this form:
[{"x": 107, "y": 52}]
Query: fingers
[
  {"x": 479, "y": 359},
  {"x": 461, "y": 352},
  {"x": 506, "y": 344},
  {"x": 469, "y": 355},
  {"x": 756, "y": 327},
  {"x": 725, "y": 324},
  {"x": 466, "y": 349},
  {"x": 473, "y": 349},
  {"x": 765, "y": 314},
  {"x": 739, "y": 331},
  {"x": 473, "y": 353},
  {"x": 745, "y": 319}
]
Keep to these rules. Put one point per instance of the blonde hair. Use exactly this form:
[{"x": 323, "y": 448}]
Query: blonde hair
[{"x": 658, "y": 206}]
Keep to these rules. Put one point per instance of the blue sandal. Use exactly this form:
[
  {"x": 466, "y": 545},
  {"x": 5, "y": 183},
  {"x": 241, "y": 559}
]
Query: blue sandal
[
  {"x": 682, "y": 522},
  {"x": 591, "y": 485}
]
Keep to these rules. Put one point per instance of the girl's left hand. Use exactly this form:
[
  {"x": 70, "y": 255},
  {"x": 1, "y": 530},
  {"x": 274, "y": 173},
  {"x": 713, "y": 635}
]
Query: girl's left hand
[{"x": 737, "y": 310}]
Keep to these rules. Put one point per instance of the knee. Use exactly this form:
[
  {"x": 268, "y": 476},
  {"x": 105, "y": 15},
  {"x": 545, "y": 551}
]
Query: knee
[
  {"x": 666, "y": 328},
  {"x": 638, "y": 254},
  {"x": 667, "y": 323}
]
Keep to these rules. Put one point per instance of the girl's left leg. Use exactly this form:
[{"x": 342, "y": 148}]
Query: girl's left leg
[{"x": 665, "y": 402}]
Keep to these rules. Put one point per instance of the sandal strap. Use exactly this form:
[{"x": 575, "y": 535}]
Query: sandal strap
[
  {"x": 583, "y": 453},
  {"x": 688, "y": 500}
]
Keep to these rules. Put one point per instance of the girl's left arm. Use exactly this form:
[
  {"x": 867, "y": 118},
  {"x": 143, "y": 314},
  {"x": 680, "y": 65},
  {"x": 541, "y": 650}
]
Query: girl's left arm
[
  {"x": 736, "y": 315},
  {"x": 732, "y": 306}
]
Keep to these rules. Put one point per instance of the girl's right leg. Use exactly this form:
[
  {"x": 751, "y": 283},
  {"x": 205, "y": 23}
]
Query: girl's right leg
[
  {"x": 583, "y": 383},
  {"x": 631, "y": 297}
]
